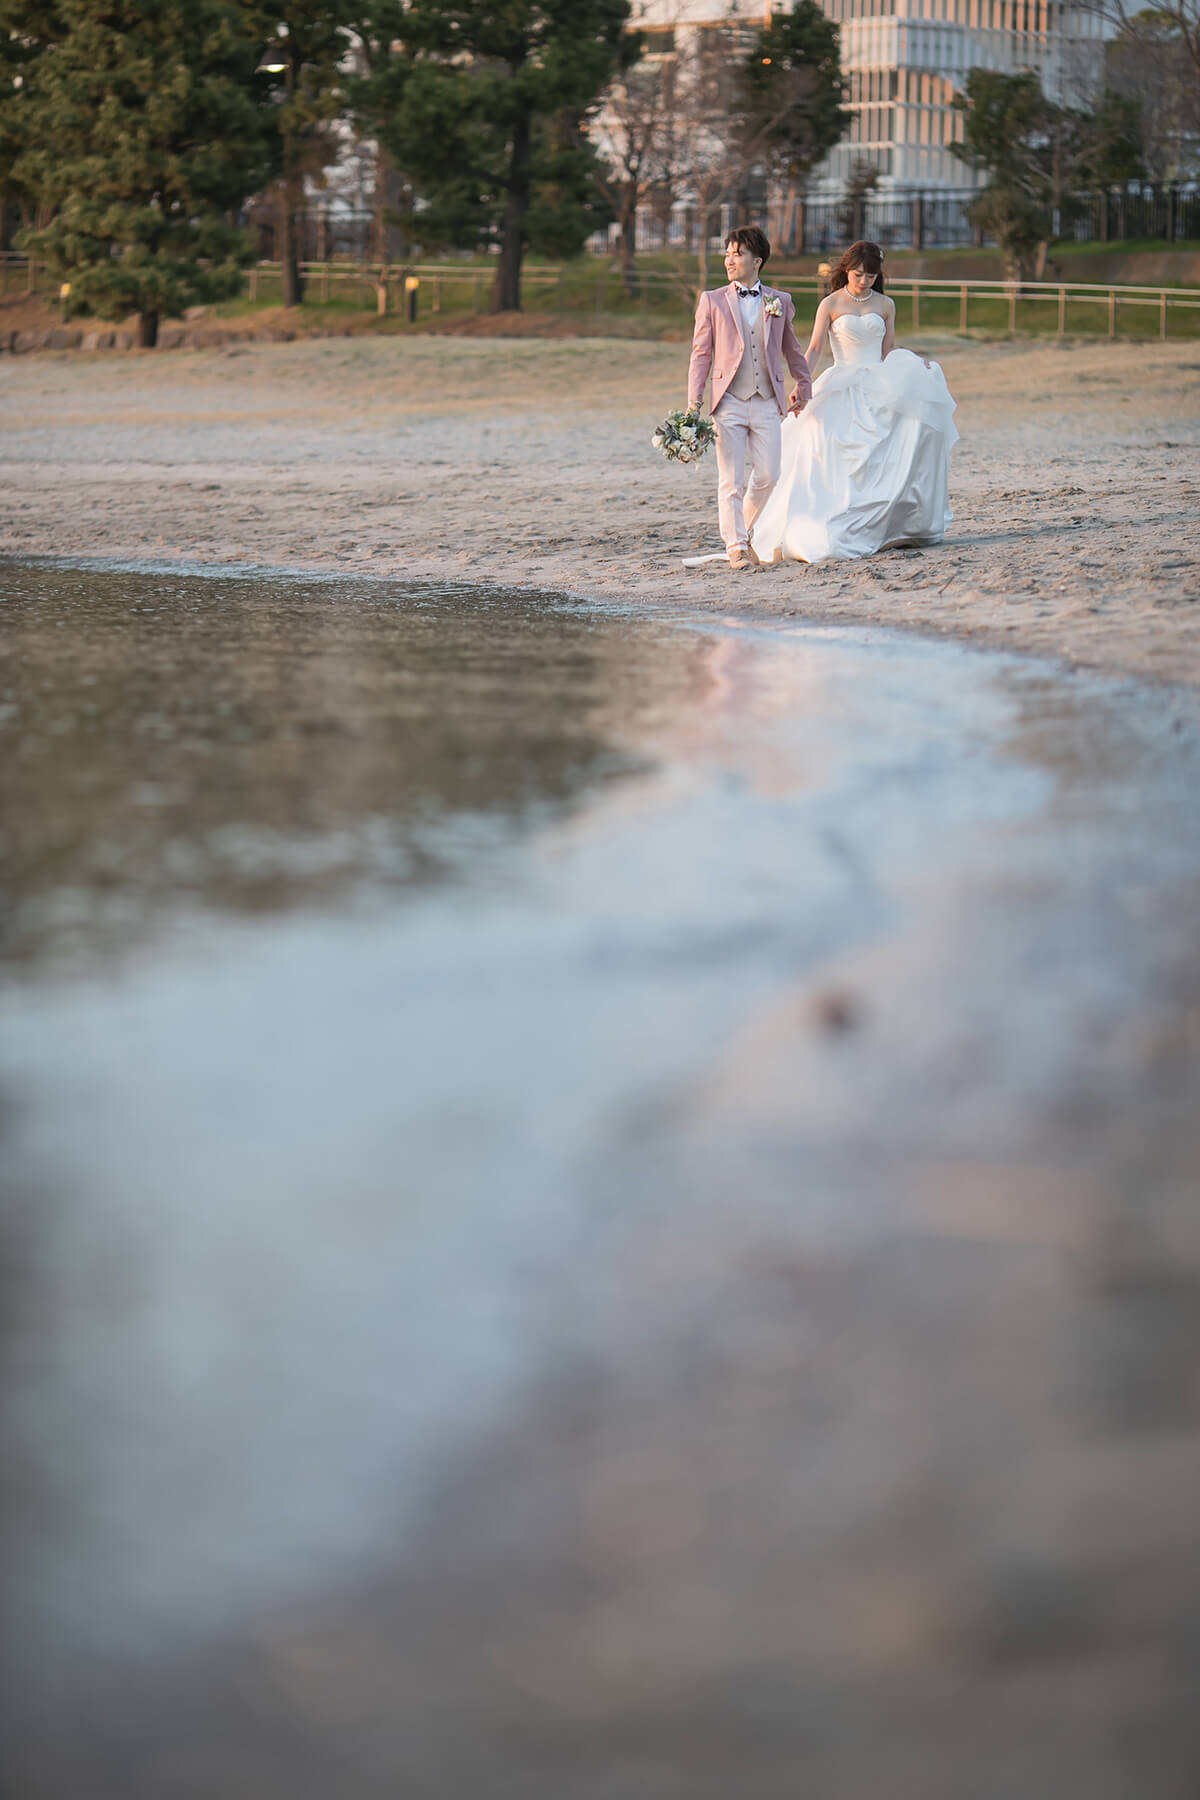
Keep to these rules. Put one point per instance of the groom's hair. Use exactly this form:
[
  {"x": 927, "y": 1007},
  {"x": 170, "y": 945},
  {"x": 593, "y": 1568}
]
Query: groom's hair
[{"x": 749, "y": 237}]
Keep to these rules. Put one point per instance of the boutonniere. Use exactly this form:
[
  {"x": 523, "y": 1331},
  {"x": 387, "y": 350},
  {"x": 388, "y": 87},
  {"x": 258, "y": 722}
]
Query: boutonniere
[{"x": 773, "y": 308}]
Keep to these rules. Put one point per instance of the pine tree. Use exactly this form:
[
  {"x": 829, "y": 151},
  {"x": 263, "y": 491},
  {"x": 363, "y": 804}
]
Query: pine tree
[
  {"x": 487, "y": 113},
  {"x": 27, "y": 29},
  {"x": 146, "y": 132}
]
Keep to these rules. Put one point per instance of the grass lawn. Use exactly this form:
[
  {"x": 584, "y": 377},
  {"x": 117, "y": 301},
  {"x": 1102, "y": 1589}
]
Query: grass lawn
[{"x": 588, "y": 297}]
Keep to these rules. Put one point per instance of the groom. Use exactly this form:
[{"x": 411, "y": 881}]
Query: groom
[{"x": 744, "y": 335}]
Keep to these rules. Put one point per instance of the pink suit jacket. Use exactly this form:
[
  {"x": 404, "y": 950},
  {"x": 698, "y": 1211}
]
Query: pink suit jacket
[{"x": 717, "y": 345}]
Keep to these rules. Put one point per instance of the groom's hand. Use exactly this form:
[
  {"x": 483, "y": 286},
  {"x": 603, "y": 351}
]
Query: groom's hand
[{"x": 796, "y": 401}]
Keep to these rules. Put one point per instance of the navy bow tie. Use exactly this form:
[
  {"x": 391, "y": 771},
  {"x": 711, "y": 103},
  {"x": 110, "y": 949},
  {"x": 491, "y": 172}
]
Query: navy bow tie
[{"x": 748, "y": 293}]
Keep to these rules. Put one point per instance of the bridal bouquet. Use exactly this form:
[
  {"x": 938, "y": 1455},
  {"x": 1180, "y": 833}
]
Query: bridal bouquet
[{"x": 684, "y": 436}]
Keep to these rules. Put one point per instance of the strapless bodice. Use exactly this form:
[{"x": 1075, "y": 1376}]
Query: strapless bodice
[{"x": 856, "y": 337}]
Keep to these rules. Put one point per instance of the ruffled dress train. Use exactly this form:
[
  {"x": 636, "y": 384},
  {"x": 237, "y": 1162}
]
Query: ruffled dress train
[{"x": 865, "y": 466}]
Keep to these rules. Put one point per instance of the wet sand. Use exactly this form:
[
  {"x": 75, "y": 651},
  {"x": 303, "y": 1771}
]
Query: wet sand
[
  {"x": 1075, "y": 486},
  {"x": 596, "y": 1209}
]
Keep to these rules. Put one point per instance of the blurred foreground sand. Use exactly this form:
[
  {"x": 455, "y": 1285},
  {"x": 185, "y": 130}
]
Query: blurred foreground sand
[{"x": 1075, "y": 486}]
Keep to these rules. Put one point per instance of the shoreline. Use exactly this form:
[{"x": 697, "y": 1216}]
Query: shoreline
[
  {"x": 680, "y": 612},
  {"x": 526, "y": 464}
]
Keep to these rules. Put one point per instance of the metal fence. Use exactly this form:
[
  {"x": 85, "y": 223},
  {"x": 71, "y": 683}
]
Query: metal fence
[
  {"x": 900, "y": 221},
  {"x": 935, "y": 220}
]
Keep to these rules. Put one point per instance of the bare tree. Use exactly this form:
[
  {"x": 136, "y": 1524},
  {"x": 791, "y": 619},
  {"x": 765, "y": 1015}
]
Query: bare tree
[
  {"x": 690, "y": 127},
  {"x": 630, "y": 129},
  {"x": 1154, "y": 61},
  {"x": 715, "y": 134},
  {"x": 1178, "y": 20},
  {"x": 852, "y": 214}
]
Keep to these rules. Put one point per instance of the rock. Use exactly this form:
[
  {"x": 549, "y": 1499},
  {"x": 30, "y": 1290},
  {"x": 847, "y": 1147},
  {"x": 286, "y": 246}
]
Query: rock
[
  {"x": 98, "y": 340},
  {"x": 836, "y": 1011},
  {"x": 61, "y": 338},
  {"x": 171, "y": 339}
]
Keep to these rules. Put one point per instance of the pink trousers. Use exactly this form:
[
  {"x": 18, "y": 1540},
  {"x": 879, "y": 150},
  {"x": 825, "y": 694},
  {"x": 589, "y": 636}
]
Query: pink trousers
[{"x": 747, "y": 435}]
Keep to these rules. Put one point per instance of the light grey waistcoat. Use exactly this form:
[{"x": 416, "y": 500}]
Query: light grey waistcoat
[{"x": 752, "y": 377}]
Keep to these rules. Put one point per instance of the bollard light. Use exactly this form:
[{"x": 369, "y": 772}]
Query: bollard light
[{"x": 411, "y": 285}]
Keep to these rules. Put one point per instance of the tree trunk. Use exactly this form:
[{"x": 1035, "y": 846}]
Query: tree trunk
[
  {"x": 1018, "y": 263},
  {"x": 289, "y": 249},
  {"x": 702, "y": 253},
  {"x": 147, "y": 330},
  {"x": 790, "y": 246},
  {"x": 506, "y": 289},
  {"x": 379, "y": 222},
  {"x": 629, "y": 268}
]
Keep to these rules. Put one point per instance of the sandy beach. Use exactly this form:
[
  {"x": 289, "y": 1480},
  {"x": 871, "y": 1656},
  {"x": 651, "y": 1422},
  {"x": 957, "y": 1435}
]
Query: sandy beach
[
  {"x": 527, "y": 462},
  {"x": 602, "y": 1204}
]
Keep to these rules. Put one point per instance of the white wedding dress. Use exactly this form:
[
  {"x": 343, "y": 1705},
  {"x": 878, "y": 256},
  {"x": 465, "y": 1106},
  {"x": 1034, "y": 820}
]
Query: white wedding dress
[{"x": 866, "y": 464}]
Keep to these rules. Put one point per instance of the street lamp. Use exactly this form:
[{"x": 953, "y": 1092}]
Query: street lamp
[{"x": 281, "y": 57}]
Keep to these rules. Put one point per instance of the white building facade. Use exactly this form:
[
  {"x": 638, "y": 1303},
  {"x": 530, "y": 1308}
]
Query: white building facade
[{"x": 905, "y": 60}]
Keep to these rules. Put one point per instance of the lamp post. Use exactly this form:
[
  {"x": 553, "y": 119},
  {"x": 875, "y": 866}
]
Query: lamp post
[
  {"x": 412, "y": 285},
  {"x": 279, "y": 58}
]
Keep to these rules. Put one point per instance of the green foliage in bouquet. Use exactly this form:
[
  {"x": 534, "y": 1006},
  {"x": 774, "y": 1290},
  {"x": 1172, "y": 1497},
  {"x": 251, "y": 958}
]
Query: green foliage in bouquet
[{"x": 684, "y": 436}]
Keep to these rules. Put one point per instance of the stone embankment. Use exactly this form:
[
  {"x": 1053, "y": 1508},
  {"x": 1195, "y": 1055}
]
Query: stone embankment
[{"x": 171, "y": 337}]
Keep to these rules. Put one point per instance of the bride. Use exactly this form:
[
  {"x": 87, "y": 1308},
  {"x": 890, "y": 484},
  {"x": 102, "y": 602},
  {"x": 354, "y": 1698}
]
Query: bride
[{"x": 865, "y": 463}]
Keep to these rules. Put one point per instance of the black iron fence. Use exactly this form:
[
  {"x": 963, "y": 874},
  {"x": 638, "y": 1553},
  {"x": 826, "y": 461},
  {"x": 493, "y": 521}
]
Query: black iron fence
[
  {"x": 898, "y": 221},
  {"x": 1148, "y": 211},
  {"x": 936, "y": 220},
  {"x": 922, "y": 221}
]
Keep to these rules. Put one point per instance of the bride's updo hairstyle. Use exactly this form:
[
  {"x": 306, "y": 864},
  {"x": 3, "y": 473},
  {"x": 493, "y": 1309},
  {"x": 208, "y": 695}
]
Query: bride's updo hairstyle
[{"x": 863, "y": 255}]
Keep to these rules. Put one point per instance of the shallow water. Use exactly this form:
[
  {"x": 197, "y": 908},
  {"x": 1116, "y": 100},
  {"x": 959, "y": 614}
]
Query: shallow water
[{"x": 413, "y": 994}]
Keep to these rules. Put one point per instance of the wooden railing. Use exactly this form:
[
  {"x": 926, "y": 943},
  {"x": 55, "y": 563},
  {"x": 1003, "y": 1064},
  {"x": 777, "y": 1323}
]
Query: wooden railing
[
  {"x": 416, "y": 290},
  {"x": 1108, "y": 295}
]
